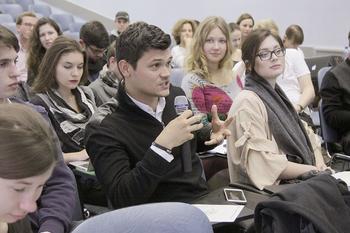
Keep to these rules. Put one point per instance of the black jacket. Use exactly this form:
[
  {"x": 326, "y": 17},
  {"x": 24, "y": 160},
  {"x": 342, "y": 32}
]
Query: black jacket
[
  {"x": 118, "y": 141},
  {"x": 335, "y": 94},
  {"x": 318, "y": 205}
]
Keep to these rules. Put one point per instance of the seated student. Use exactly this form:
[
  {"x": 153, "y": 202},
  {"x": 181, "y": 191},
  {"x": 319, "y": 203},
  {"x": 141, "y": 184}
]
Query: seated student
[
  {"x": 238, "y": 65},
  {"x": 135, "y": 142},
  {"x": 269, "y": 144},
  {"x": 27, "y": 159},
  {"x": 296, "y": 79},
  {"x": 24, "y": 27},
  {"x": 57, "y": 201},
  {"x": 94, "y": 39},
  {"x": 236, "y": 35},
  {"x": 246, "y": 23},
  {"x": 106, "y": 85},
  {"x": 44, "y": 33},
  {"x": 294, "y": 37},
  {"x": 182, "y": 32},
  {"x": 57, "y": 89},
  {"x": 335, "y": 94},
  {"x": 121, "y": 22},
  {"x": 69, "y": 105},
  {"x": 210, "y": 80}
]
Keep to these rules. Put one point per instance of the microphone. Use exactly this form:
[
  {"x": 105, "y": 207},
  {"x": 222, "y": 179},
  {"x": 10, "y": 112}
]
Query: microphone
[{"x": 181, "y": 105}]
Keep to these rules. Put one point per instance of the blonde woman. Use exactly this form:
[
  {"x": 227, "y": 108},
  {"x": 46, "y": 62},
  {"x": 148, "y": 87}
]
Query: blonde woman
[{"x": 210, "y": 79}]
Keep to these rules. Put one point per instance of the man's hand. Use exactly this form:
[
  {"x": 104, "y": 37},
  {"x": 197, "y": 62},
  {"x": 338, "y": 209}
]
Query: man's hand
[
  {"x": 179, "y": 130},
  {"x": 219, "y": 128}
]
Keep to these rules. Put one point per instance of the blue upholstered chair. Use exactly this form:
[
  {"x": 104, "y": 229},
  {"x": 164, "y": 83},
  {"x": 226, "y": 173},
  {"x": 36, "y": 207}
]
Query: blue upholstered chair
[
  {"x": 63, "y": 20},
  {"x": 44, "y": 10},
  {"x": 12, "y": 9}
]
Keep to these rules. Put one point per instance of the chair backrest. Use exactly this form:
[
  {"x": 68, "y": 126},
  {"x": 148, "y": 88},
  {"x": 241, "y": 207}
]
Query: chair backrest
[
  {"x": 13, "y": 9},
  {"x": 176, "y": 76},
  {"x": 72, "y": 35},
  {"x": 329, "y": 135},
  {"x": 321, "y": 73},
  {"x": 315, "y": 64},
  {"x": 64, "y": 20},
  {"x": 25, "y": 4},
  {"x": 44, "y": 10},
  {"x": 11, "y": 26},
  {"x": 6, "y": 18},
  {"x": 75, "y": 26}
]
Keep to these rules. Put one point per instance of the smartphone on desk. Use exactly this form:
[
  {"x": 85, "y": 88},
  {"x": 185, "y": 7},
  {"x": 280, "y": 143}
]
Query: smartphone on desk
[{"x": 235, "y": 195}]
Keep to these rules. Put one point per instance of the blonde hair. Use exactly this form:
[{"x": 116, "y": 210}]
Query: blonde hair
[
  {"x": 267, "y": 24},
  {"x": 196, "y": 61}
]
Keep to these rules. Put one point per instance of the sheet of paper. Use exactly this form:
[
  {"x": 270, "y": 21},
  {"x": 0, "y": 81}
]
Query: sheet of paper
[
  {"x": 220, "y": 149},
  {"x": 220, "y": 213}
]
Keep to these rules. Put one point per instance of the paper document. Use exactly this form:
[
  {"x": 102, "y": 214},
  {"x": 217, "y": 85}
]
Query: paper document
[
  {"x": 220, "y": 213},
  {"x": 220, "y": 149},
  {"x": 345, "y": 176}
]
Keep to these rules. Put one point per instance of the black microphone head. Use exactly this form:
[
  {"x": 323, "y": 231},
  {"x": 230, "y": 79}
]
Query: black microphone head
[{"x": 180, "y": 104}]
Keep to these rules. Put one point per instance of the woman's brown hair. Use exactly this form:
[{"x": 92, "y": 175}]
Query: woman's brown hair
[
  {"x": 27, "y": 143},
  {"x": 36, "y": 50},
  {"x": 47, "y": 70},
  {"x": 251, "y": 45},
  {"x": 243, "y": 17}
]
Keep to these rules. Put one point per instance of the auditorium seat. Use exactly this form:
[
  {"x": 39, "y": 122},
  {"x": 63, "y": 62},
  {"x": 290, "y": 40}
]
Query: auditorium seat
[
  {"x": 11, "y": 26},
  {"x": 44, "y": 10},
  {"x": 63, "y": 20},
  {"x": 12, "y": 9},
  {"x": 75, "y": 26},
  {"x": 25, "y": 3},
  {"x": 176, "y": 76},
  {"x": 73, "y": 35},
  {"x": 6, "y": 18}
]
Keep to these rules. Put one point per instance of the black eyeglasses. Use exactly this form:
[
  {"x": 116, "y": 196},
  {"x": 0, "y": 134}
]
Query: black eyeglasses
[{"x": 267, "y": 55}]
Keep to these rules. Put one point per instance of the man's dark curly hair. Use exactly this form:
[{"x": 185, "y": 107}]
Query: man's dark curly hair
[{"x": 137, "y": 39}]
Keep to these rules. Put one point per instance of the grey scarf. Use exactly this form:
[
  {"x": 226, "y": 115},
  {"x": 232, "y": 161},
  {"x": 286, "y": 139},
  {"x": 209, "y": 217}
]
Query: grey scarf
[{"x": 283, "y": 121}]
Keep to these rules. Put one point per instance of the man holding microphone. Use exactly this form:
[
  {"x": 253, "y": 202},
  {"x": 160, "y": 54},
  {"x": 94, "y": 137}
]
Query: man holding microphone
[{"x": 136, "y": 141}]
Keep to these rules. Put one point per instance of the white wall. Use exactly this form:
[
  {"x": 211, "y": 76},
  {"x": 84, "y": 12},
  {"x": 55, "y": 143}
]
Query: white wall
[{"x": 326, "y": 23}]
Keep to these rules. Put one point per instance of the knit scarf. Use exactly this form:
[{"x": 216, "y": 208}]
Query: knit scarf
[
  {"x": 72, "y": 123},
  {"x": 283, "y": 121}
]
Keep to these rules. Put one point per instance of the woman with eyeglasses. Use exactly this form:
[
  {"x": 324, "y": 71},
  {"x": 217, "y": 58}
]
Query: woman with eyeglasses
[
  {"x": 44, "y": 33},
  {"x": 269, "y": 144}
]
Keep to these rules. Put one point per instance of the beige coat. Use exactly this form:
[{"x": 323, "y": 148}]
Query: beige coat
[{"x": 253, "y": 154}]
